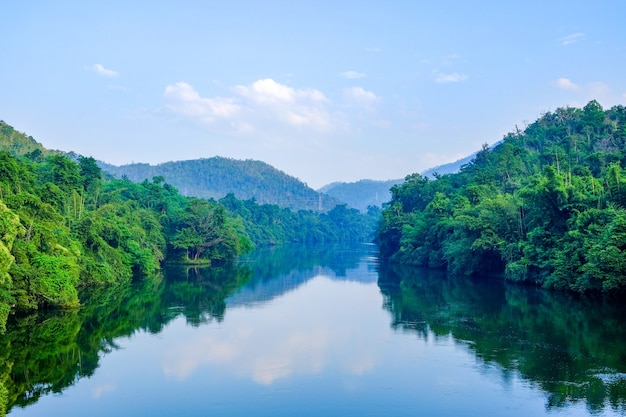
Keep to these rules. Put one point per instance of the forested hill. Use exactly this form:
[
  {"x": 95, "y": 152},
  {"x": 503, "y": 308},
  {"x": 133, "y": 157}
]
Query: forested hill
[
  {"x": 361, "y": 194},
  {"x": 546, "y": 205},
  {"x": 216, "y": 177},
  {"x": 66, "y": 227},
  {"x": 18, "y": 143},
  {"x": 367, "y": 193}
]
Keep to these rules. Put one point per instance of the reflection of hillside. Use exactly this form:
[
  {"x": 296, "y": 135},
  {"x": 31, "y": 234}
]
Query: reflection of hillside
[
  {"x": 277, "y": 270},
  {"x": 47, "y": 352},
  {"x": 570, "y": 347}
]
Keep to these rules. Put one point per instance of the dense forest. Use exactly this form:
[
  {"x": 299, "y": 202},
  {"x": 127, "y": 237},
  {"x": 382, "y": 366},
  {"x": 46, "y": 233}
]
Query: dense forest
[
  {"x": 216, "y": 177},
  {"x": 271, "y": 224},
  {"x": 65, "y": 227},
  {"x": 546, "y": 205},
  {"x": 62, "y": 229}
]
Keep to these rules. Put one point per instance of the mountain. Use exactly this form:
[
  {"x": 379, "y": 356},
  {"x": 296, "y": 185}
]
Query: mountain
[
  {"x": 18, "y": 143},
  {"x": 450, "y": 168},
  {"x": 246, "y": 179},
  {"x": 216, "y": 177},
  {"x": 361, "y": 194},
  {"x": 364, "y": 193}
]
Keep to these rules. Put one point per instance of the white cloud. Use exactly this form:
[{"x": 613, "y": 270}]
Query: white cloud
[
  {"x": 351, "y": 75},
  {"x": 566, "y": 84},
  {"x": 360, "y": 96},
  {"x": 105, "y": 72},
  {"x": 185, "y": 100},
  {"x": 308, "y": 117},
  {"x": 596, "y": 90},
  {"x": 249, "y": 346},
  {"x": 284, "y": 104},
  {"x": 455, "y": 77},
  {"x": 263, "y": 106},
  {"x": 268, "y": 91},
  {"x": 571, "y": 39}
]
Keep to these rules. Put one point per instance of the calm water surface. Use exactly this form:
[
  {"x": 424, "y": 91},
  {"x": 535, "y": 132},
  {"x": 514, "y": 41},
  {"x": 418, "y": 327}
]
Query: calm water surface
[{"x": 316, "y": 332}]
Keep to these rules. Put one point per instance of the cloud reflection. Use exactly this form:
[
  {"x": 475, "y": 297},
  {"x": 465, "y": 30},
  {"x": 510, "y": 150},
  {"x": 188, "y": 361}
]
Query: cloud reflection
[{"x": 267, "y": 344}]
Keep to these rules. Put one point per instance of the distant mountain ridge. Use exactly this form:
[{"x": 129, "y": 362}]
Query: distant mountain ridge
[
  {"x": 247, "y": 179},
  {"x": 361, "y": 194},
  {"x": 449, "y": 168},
  {"x": 364, "y": 193},
  {"x": 218, "y": 176}
]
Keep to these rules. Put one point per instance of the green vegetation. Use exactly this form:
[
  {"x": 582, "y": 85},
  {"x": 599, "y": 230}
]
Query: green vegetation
[
  {"x": 18, "y": 143},
  {"x": 45, "y": 352},
  {"x": 62, "y": 228},
  {"x": 546, "y": 205},
  {"x": 214, "y": 178},
  {"x": 270, "y": 224}
]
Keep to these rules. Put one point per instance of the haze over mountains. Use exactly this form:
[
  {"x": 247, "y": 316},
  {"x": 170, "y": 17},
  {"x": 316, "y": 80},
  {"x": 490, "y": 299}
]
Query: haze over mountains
[
  {"x": 246, "y": 179},
  {"x": 217, "y": 176}
]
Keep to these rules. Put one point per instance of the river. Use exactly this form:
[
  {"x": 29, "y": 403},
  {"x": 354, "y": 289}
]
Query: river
[{"x": 318, "y": 331}]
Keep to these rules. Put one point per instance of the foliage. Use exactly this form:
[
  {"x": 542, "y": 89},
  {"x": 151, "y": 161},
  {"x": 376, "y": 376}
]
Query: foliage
[
  {"x": 63, "y": 228},
  {"x": 546, "y": 205},
  {"x": 214, "y": 178},
  {"x": 46, "y": 352},
  {"x": 269, "y": 224}
]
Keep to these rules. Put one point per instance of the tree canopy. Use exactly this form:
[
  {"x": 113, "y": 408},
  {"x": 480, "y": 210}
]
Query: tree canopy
[{"x": 546, "y": 205}]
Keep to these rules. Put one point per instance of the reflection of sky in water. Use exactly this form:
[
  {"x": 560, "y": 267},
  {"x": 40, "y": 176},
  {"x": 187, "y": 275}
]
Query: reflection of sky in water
[
  {"x": 322, "y": 326},
  {"x": 324, "y": 348}
]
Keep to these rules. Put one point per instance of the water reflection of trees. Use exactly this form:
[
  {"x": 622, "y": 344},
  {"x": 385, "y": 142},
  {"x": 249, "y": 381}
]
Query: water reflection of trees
[
  {"x": 571, "y": 347},
  {"x": 269, "y": 262},
  {"x": 47, "y": 352}
]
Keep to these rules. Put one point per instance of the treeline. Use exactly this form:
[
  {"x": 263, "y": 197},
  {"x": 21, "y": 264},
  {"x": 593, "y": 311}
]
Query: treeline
[
  {"x": 63, "y": 228},
  {"x": 46, "y": 352},
  {"x": 271, "y": 224},
  {"x": 217, "y": 176},
  {"x": 546, "y": 205}
]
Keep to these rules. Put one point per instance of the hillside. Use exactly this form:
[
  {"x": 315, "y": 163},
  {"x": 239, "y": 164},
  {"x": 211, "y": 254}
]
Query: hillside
[
  {"x": 546, "y": 206},
  {"x": 365, "y": 193},
  {"x": 361, "y": 194},
  {"x": 65, "y": 227},
  {"x": 18, "y": 143},
  {"x": 450, "y": 168},
  {"x": 216, "y": 177}
]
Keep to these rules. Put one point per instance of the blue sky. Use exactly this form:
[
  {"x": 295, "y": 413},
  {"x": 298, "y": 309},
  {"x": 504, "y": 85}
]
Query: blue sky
[{"x": 323, "y": 90}]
